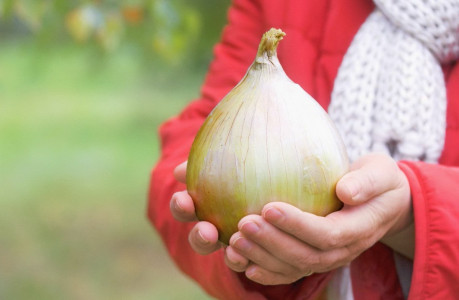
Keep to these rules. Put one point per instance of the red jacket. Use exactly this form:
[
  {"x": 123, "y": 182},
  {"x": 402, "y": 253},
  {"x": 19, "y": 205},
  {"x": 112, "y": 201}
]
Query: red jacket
[{"x": 318, "y": 34}]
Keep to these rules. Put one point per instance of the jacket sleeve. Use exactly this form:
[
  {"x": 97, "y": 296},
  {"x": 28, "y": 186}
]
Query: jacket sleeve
[
  {"x": 233, "y": 55},
  {"x": 435, "y": 194}
]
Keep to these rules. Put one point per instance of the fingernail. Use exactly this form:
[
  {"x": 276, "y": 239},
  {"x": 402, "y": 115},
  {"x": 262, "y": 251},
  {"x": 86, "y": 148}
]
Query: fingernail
[
  {"x": 177, "y": 205},
  {"x": 234, "y": 262},
  {"x": 352, "y": 187},
  {"x": 251, "y": 272},
  {"x": 272, "y": 214},
  {"x": 202, "y": 239},
  {"x": 231, "y": 259},
  {"x": 250, "y": 227},
  {"x": 241, "y": 244}
]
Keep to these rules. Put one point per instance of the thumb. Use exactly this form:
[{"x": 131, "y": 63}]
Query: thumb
[{"x": 370, "y": 176}]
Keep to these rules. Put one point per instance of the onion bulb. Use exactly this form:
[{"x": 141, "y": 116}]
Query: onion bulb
[{"x": 267, "y": 140}]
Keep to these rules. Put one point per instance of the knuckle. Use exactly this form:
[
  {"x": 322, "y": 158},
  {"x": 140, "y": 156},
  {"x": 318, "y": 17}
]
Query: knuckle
[
  {"x": 294, "y": 226},
  {"x": 375, "y": 220},
  {"x": 332, "y": 240},
  {"x": 332, "y": 261},
  {"x": 341, "y": 258},
  {"x": 304, "y": 263},
  {"x": 370, "y": 183},
  {"x": 317, "y": 263}
]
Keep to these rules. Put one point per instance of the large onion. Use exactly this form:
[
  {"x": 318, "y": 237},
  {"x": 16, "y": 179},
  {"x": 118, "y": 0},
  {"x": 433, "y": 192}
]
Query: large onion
[{"x": 267, "y": 140}]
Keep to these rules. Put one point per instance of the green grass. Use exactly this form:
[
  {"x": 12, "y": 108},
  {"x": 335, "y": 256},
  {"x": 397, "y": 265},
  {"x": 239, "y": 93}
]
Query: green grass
[{"x": 78, "y": 139}]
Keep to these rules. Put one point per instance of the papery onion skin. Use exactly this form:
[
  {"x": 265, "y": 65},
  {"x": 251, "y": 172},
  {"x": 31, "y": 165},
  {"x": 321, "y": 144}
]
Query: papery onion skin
[{"x": 267, "y": 140}]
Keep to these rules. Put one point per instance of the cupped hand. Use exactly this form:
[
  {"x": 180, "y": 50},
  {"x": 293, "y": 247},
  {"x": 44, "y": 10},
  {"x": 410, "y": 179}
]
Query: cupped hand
[
  {"x": 285, "y": 244},
  {"x": 203, "y": 238}
]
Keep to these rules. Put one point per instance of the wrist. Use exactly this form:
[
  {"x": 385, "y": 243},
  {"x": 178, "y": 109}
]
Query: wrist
[
  {"x": 402, "y": 241},
  {"x": 401, "y": 236}
]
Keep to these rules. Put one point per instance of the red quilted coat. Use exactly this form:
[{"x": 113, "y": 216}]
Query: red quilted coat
[{"x": 318, "y": 34}]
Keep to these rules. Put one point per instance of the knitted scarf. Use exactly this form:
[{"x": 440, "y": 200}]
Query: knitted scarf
[{"x": 389, "y": 94}]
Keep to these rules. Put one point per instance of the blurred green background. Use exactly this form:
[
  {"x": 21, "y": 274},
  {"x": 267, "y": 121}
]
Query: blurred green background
[{"x": 83, "y": 88}]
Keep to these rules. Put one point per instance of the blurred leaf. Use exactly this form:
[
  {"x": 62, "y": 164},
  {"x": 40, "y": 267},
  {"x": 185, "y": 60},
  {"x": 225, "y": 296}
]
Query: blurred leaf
[
  {"x": 82, "y": 22},
  {"x": 111, "y": 31},
  {"x": 6, "y": 6},
  {"x": 176, "y": 30},
  {"x": 32, "y": 12},
  {"x": 169, "y": 31},
  {"x": 133, "y": 14}
]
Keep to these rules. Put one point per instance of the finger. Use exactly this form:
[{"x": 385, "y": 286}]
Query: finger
[
  {"x": 180, "y": 172},
  {"x": 258, "y": 255},
  {"x": 273, "y": 249},
  {"x": 267, "y": 277},
  {"x": 235, "y": 261},
  {"x": 338, "y": 229},
  {"x": 369, "y": 177},
  {"x": 203, "y": 238},
  {"x": 301, "y": 257},
  {"x": 335, "y": 258},
  {"x": 182, "y": 207}
]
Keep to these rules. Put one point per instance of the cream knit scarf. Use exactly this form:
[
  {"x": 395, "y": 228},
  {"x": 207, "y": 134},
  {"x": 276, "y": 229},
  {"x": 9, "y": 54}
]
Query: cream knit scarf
[{"x": 389, "y": 94}]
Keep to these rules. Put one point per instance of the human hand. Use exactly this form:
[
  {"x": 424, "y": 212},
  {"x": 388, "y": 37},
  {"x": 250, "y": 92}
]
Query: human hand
[
  {"x": 203, "y": 238},
  {"x": 285, "y": 244}
]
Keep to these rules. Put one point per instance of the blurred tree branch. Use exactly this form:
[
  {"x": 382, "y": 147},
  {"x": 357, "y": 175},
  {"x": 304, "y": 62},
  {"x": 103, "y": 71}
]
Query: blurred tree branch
[{"x": 170, "y": 30}]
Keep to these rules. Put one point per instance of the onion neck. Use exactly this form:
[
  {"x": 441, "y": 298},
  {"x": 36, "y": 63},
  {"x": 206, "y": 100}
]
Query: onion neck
[{"x": 268, "y": 45}]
